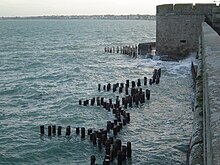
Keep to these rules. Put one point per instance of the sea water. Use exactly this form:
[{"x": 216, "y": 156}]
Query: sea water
[{"x": 46, "y": 66}]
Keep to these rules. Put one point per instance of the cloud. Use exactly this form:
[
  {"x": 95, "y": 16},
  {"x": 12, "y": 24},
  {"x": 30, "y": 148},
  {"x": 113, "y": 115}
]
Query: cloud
[{"x": 68, "y": 7}]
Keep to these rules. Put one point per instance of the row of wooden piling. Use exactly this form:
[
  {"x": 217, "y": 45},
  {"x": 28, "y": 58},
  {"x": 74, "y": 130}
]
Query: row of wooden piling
[
  {"x": 154, "y": 80},
  {"x": 100, "y": 138},
  {"x": 156, "y": 76},
  {"x": 138, "y": 96},
  {"x": 122, "y": 119},
  {"x": 130, "y": 50},
  {"x": 121, "y": 86},
  {"x": 53, "y": 130},
  {"x": 114, "y": 126},
  {"x": 134, "y": 95},
  {"x": 113, "y": 149}
]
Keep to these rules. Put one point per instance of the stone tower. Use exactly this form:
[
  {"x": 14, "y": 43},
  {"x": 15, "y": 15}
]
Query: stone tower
[{"x": 178, "y": 28}]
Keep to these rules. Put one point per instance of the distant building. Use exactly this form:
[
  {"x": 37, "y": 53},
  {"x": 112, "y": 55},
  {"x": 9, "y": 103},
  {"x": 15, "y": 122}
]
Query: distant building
[{"x": 96, "y": 17}]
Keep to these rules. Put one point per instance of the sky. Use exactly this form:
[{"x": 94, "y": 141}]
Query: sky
[{"x": 84, "y": 7}]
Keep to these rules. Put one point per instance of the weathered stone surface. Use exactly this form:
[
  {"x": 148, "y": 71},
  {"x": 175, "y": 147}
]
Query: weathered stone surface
[
  {"x": 196, "y": 157},
  {"x": 196, "y": 153},
  {"x": 197, "y": 132},
  {"x": 178, "y": 28},
  {"x": 146, "y": 48},
  {"x": 211, "y": 59}
]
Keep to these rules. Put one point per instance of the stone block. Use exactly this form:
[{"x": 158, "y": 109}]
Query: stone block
[
  {"x": 216, "y": 18},
  {"x": 203, "y": 9},
  {"x": 164, "y": 9},
  {"x": 183, "y": 8},
  {"x": 216, "y": 10},
  {"x": 196, "y": 155},
  {"x": 197, "y": 132}
]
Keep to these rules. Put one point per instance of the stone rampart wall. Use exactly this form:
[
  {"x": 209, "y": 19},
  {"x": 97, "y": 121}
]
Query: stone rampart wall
[
  {"x": 211, "y": 99},
  {"x": 179, "y": 27},
  {"x": 184, "y": 9}
]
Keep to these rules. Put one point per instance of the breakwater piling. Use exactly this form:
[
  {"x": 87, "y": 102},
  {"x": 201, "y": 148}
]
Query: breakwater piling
[
  {"x": 130, "y": 50},
  {"x": 133, "y": 50},
  {"x": 102, "y": 139},
  {"x": 130, "y": 93}
]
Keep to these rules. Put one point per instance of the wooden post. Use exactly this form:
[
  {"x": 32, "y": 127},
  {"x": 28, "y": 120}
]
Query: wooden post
[
  {"x": 130, "y": 101},
  {"x": 150, "y": 81},
  {"x": 93, "y": 101},
  {"x": 77, "y": 130},
  {"x": 68, "y": 131},
  {"x": 100, "y": 143},
  {"x": 139, "y": 83},
  {"x": 94, "y": 138},
  {"x": 117, "y": 49},
  {"x": 107, "y": 147},
  {"x": 111, "y": 139},
  {"x": 59, "y": 130},
  {"x": 120, "y": 157},
  {"x": 54, "y": 129},
  {"x": 115, "y": 132},
  {"x": 159, "y": 72},
  {"x": 83, "y": 132},
  {"x": 84, "y": 103},
  {"x": 124, "y": 152},
  {"x": 104, "y": 136},
  {"x": 128, "y": 117},
  {"x": 133, "y": 84},
  {"x": 145, "y": 81},
  {"x": 106, "y": 161},
  {"x": 127, "y": 83},
  {"x": 93, "y": 159},
  {"x": 110, "y": 102},
  {"x": 129, "y": 149},
  {"x": 102, "y": 101},
  {"x": 157, "y": 79},
  {"x": 108, "y": 87},
  {"x": 108, "y": 126},
  {"x": 126, "y": 90},
  {"x": 148, "y": 94},
  {"x": 114, "y": 88},
  {"x": 120, "y": 89},
  {"x": 98, "y": 101},
  {"x": 154, "y": 76},
  {"x": 49, "y": 130},
  {"x": 89, "y": 131},
  {"x": 99, "y": 87},
  {"x": 124, "y": 122},
  {"x": 42, "y": 130}
]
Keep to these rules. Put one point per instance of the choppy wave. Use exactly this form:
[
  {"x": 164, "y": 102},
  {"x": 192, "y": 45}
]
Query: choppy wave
[{"x": 47, "y": 66}]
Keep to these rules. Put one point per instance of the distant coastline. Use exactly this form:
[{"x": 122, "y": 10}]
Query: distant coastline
[{"x": 92, "y": 17}]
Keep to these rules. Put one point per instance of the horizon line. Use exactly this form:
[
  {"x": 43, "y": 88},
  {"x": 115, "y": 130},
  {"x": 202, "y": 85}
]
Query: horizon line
[{"x": 60, "y": 15}]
